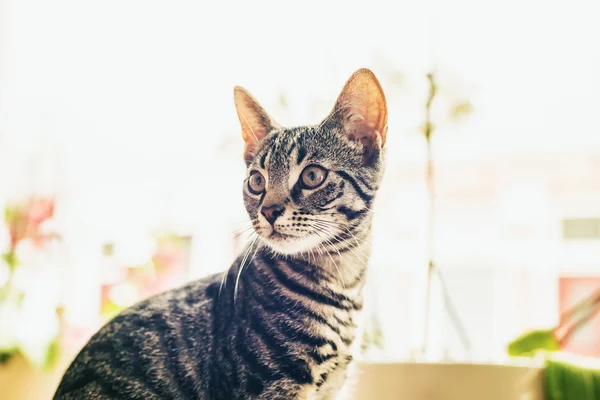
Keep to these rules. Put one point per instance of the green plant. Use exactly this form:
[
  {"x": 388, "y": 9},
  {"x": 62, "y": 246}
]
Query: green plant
[{"x": 553, "y": 339}]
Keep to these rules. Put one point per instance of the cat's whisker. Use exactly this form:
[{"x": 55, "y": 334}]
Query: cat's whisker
[
  {"x": 341, "y": 225},
  {"x": 242, "y": 231},
  {"x": 319, "y": 249},
  {"x": 326, "y": 232},
  {"x": 255, "y": 251},
  {"x": 358, "y": 246},
  {"x": 243, "y": 221},
  {"x": 313, "y": 255},
  {"x": 237, "y": 280},
  {"x": 353, "y": 236},
  {"x": 344, "y": 241},
  {"x": 340, "y": 255},
  {"x": 333, "y": 224},
  {"x": 333, "y": 261},
  {"x": 242, "y": 225},
  {"x": 226, "y": 272},
  {"x": 348, "y": 264},
  {"x": 223, "y": 280},
  {"x": 331, "y": 229},
  {"x": 337, "y": 250}
]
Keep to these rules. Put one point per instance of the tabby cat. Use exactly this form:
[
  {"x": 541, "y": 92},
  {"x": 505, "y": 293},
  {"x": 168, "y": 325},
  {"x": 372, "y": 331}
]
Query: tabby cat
[{"x": 281, "y": 323}]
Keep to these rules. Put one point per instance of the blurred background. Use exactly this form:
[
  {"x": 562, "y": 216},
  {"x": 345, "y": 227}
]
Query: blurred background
[{"x": 121, "y": 158}]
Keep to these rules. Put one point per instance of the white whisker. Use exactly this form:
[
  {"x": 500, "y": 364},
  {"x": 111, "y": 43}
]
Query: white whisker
[
  {"x": 226, "y": 272},
  {"x": 340, "y": 255},
  {"x": 344, "y": 226},
  {"x": 358, "y": 247},
  {"x": 332, "y": 260},
  {"x": 237, "y": 280},
  {"x": 240, "y": 232}
]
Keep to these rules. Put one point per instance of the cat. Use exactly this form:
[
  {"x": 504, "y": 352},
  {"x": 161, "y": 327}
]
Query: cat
[{"x": 281, "y": 323}]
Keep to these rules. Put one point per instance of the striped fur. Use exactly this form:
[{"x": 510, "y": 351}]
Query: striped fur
[{"x": 281, "y": 322}]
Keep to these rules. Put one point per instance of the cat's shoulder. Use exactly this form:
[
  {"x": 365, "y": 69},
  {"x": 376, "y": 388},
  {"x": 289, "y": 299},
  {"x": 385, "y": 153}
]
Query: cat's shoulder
[
  {"x": 189, "y": 300},
  {"x": 193, "y": 295}
]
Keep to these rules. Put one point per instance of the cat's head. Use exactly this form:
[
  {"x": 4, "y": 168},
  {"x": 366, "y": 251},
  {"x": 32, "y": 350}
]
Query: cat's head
[{"x": 311, "y": 188}]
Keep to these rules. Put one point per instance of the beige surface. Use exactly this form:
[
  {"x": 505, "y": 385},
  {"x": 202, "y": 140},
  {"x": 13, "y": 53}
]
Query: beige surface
[
  {"x": 20, "y": 381},
  {"x": 415, "y": 381},
  {"x": 380, "y": 381}
]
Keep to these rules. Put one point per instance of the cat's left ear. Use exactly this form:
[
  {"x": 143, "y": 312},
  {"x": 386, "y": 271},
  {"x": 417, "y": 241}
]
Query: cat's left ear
[
  {"x": 255, "y": 121},
  {"x": 361, "y": 109}
]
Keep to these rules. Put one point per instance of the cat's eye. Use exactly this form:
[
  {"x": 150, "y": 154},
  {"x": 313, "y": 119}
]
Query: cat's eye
[
  {"x": 256, "y": 183},
  {"x": 313, "y": 176}
]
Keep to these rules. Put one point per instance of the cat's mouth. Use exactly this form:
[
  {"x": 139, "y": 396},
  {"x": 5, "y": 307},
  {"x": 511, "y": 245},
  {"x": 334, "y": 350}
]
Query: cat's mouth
[{"x": 290, "y": 244}]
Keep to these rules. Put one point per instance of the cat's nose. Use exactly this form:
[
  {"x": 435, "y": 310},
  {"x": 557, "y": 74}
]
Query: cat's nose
[{"x": 272, "y": 212}]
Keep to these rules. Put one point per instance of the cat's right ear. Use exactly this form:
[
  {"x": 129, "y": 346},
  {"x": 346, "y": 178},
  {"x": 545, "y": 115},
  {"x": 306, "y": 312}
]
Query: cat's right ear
[{"x": 254, "y": 120}]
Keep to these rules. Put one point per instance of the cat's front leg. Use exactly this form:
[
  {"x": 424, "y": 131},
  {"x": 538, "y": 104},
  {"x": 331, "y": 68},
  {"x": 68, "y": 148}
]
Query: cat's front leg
[
  {"x": 338, "y": 386},
  {"x": 348, "y": 388}
]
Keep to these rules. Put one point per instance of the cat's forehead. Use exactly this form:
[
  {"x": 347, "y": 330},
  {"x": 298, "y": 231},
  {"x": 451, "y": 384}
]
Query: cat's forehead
[
  {"x": 289, "y": 147},
  {"x": 284, "y": 148}
]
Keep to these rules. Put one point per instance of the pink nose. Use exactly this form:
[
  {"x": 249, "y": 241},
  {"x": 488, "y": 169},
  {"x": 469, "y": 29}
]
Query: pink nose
[{"x": 272, "y": 212}]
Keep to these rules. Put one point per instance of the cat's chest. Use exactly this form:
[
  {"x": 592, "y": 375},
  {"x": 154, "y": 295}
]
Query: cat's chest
[
  {"x": 342, "y": 331},
  {"x": 330, "y": 376}
]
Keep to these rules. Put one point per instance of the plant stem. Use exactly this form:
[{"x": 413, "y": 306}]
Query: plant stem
[
  {"x": 428, "y": 128},
  {"x": 10, "y": 260},
  {"x": 431, "y": 266},
  {"x": 589, "y": 307}
]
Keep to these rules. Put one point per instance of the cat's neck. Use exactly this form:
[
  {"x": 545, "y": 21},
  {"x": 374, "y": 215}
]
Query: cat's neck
[{"x": 345, "y": 265}]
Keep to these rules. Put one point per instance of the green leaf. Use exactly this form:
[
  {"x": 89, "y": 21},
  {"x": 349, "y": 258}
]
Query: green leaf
[
  {"x": 52, "y": 353},
  {"x": 41, "y": 355},
  {"x": 10, "y": 213},
  {"x": 564, "y": 380},
  {"x": 11, "y": 260},
  {"x": 531, "y": 342}
]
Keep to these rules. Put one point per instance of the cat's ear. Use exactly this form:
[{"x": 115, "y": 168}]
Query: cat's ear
[
  {"x": 361, "y": 109},
  {"x": 255, "y": 121}
]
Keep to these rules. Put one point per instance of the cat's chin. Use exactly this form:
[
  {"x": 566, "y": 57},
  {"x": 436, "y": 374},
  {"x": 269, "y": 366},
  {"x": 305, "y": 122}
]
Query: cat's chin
[{"x": 290, "y": 245}]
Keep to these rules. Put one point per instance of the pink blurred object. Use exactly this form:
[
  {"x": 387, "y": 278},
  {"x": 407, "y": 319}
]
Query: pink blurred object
[
  {"x": 168, "y": 268},
  {"x": 25, "y": 219},
  {"x": 583, "y": 338},
  {"x": 170, "y": 265}
]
